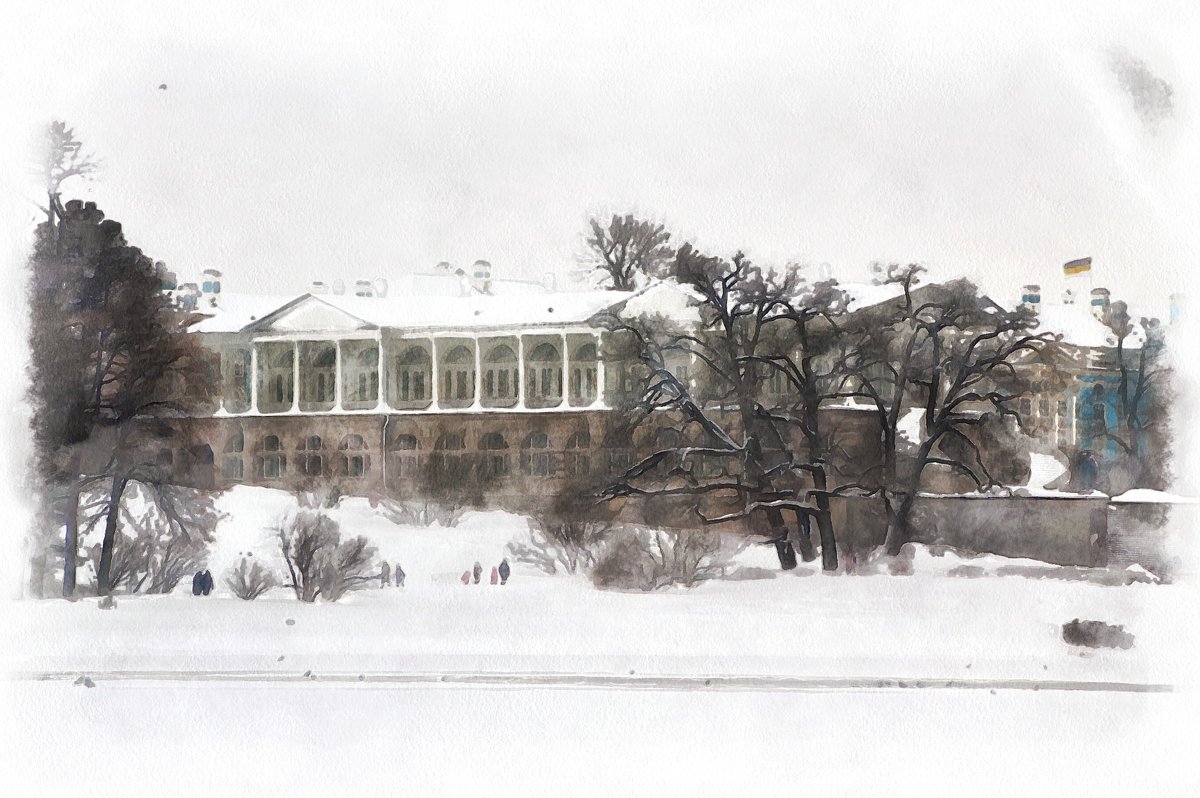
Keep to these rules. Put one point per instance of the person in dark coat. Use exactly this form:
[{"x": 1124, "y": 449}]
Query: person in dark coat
[
  {"x": 198, "y": 583},
  {"x": 478, "y": 572},
  {"x": 504, "y": 571},
  {"x": 1087, "y": 469},
  {"x": 208, "y": 581},
  {"x": 385, "y": 575},
  {"x": 399, "y": 575}
]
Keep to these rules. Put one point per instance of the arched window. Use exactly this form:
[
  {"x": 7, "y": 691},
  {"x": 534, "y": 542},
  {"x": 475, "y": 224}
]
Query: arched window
[
  {"x": 501, "y": 377},
  {"x": 360, "y": 375},
  {"x": 405, "y": 448},
  {"x": 619, "y": 444},
  {"x": 494, "y": 462},
  {"x": 232, "y": 466},
  {"x": 275, "y": 377},
  {"x": 411, "y": 384},
  {"x": 576, "y": 459},
  {"x": 545, "y": 376},
  {"x": 318, "y": 372},
  {"x": 536, "y": 459},
  {"x": 271, "y": 461},
  {"x": 312, "y": 463},
  {"x": 458, "y": 377},
  {"x": 583, "y": 375},
  {"x": 450, "y": 465},
  {"x": 354, "y": 458}
]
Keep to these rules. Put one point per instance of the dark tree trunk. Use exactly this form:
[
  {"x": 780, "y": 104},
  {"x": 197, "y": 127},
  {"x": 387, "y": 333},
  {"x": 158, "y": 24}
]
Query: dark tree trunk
[
  {"x": 804, "y": 538},
  {"x": 70, "y": 544},
  {"x": 898, "y": 531},
  {"x": 783, "y": 546},
  {"x": 829, "y": 555},
  {"x": 103, "y": 587}
]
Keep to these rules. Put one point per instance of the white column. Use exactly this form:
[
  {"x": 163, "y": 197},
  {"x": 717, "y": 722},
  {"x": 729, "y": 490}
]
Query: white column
[
  {"x": 436, "y": 375},
  {"x": 295, "y": 376},
  {"x": 337, "y": 374},
  {"x": 379, "y": 372},
  {"x": 599, "y": 373},
  {"x": 478, "y": 374},
  {"x": 520, "y": 372},
  {"x": 253, "y": 377},
  {"x": 566, "y": 381}
]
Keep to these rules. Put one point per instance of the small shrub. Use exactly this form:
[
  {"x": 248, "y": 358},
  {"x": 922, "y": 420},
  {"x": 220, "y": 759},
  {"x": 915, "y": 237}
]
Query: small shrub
[
  {"x": 1096, "y": 634},
  {"x": 643, "y": 559},
  {"x": 249, "y": 581}
]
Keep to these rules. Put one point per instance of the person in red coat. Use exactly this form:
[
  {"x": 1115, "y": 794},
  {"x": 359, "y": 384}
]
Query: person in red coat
[
  {"x": 465, "y": 578},
  {"x": 495, "y": 575}
]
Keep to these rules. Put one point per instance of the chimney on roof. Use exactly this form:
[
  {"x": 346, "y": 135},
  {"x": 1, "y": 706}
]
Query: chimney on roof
[
  {"x": 381, "y": 287},
  {"x": 364, "y": 288},
  {"x": 1031, "y": 296},
  {"x": 318, "y": 287},
  {"x": 1100, "y": 299},
  {"x": 339, "y": 287},
  {"x": 1177, "y": 303}
]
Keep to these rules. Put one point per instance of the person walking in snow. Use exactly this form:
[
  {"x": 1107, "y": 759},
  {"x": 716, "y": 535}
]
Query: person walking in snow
[
  {"x": 504, "y": 571},
  {"x": 198, "y": 583},
  {"x": 385, "y": 575},
  {"x": 466, "y": 577},
  {"x": 399, "y": 576},
  {"x": 495, "y": 576},
  {"x": 206, "y": 585},
  {"x": 477, "y": 571}
]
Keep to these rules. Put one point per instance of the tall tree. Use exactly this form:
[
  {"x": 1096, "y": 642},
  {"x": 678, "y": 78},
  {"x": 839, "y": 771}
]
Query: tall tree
[
  {"x": 756, "y": 330},
  {"x": 108, "y": 355},
  {"x": 628, "y": 249},
  {"x": 1143, "y": 392},
  {"x": 939, "y": 365}
]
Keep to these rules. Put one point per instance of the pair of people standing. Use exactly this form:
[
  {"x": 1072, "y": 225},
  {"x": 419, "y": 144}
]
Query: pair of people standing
[{"x": 386, "y": 572}]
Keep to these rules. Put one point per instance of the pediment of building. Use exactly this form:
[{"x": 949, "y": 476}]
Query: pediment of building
[{"x": 310, "y": 314}]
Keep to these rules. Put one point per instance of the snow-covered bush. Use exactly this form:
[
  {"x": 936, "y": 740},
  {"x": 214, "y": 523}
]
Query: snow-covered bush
[
  {"x": 249, "y": 581},
  {"x": 319, "y": 562},
  {"x": 571, "y": 546},
  {"x": 643, "y": 559}
]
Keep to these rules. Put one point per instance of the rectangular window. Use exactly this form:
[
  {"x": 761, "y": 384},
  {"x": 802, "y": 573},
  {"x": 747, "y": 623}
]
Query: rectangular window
[
  {"x": 504, "y": 382},
  {"x": 418, "y": 385},
  {"x": 1043, "y": 407},
  {"x": 232, "y": 469},
  {"x": 1026, "y": 407}
]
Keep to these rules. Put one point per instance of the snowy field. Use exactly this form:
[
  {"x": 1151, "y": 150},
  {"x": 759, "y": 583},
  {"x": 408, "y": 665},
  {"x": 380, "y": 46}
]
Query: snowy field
[
  {"x": 439, "y": 688},
  {"x": 993, "y": 620}
]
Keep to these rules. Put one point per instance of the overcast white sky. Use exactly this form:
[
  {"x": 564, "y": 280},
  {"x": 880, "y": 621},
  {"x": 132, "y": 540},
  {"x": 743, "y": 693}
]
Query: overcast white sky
[{"x": 300, "y": 141}]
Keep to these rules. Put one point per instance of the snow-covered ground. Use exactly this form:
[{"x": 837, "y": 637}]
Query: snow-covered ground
[
  {"x": 984, "y": 618},
  {"x": 206, "y": 695}
]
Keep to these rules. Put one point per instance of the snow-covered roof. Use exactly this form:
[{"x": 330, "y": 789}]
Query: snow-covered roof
[
  {"x": 669, "y": 299},
  {"x": 235, "y": 311},
  {"x": 1077, "y": 325},
  {"x": 406, "y": 311},
  {"x": 863, "y": 295}
]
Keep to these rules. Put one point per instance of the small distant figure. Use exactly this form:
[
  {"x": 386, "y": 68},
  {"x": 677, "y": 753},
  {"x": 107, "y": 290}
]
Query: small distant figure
[
  {"x": 504, "y": 571},
  {"x": 399, "y": 576},
  {"x": 385, "y": 575},
  {"x": 465, "y": 578},
  {"x": 495, "y": 575},
  {"x": 477, "y": 571},
  {"x": 202, "y": 583},
  {"x": 162, "y": 87},
  {"x": 1088, "y": 471}
]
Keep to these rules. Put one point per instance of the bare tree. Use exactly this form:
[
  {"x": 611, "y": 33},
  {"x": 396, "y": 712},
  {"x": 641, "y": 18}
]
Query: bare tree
[
  {"x": 1143, "y": 395},
  {"x": 249, "y": 580},
  {"x": 627, "y": 249},
  {"x": 319, "y": 562},
  {"x": 940, "y": 367},
  {"x": 568, "y": 535},
  {"x": 61, "y": 158},
  {"x": 645, "y": 559}
]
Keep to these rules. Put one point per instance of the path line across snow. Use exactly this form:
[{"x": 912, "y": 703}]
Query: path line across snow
[{"x": 602, "y": 681}]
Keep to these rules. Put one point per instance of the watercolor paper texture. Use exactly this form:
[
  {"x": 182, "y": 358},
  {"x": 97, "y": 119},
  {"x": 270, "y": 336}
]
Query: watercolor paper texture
[{"x": 534, "y": 399}]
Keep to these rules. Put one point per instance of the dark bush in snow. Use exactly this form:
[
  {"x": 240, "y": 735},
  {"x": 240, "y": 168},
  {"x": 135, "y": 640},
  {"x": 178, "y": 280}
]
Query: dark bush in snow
[
  {"x": 644, "y": 559},
  {"x": 1096, "y": 634},
  {"x": 249, "y": 581},
  {"x": 319, "y": 562}
]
